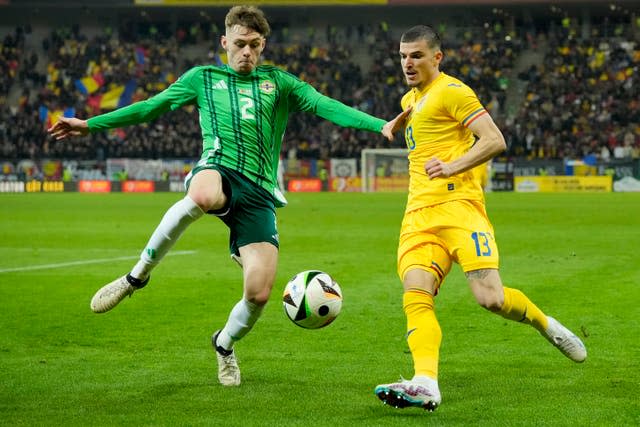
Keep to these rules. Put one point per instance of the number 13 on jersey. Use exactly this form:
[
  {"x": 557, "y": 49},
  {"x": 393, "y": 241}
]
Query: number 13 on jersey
[{"x": 408, "y": 137}]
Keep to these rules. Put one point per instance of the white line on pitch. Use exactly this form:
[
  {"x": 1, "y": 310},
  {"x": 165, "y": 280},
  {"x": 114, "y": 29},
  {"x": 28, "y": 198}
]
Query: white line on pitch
[{"x": 85, "y": 262}]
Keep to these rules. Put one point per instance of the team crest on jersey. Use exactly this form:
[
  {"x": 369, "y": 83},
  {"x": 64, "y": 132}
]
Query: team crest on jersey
[{"x": 267, "y": 86}]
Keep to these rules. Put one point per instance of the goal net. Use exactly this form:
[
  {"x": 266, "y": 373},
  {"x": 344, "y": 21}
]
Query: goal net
[{"x": 384, "y": 169}]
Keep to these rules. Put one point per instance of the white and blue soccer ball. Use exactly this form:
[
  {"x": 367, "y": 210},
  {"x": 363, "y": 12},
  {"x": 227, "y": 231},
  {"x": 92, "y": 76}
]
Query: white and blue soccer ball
[{"x": 312, "y": 299}]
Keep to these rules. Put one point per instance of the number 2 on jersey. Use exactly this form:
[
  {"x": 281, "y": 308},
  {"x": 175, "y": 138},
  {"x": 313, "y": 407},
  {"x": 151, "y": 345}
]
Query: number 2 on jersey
[{"x": 247, "y": 103}]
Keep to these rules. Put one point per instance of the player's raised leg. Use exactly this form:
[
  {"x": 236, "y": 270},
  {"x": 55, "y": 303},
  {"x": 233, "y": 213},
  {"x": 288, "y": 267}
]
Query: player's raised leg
[
  {"x": 175, "y": 221},
  {"x": 205, "y": 193},
  {"x": 514, "y": 305},
  {"x": 518, "y": 307}
]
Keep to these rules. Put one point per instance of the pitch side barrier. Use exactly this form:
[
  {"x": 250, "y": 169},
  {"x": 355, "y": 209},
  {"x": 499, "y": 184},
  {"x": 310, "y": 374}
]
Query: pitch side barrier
[
  {"x": 520, "y": 184},
  {"x": 90, "y": 186},
  {"x": 342, "y": 175}
]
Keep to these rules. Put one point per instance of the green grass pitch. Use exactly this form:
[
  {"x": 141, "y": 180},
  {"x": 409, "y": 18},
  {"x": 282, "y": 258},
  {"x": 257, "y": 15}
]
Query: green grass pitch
[{"x": 149, "y": 361}]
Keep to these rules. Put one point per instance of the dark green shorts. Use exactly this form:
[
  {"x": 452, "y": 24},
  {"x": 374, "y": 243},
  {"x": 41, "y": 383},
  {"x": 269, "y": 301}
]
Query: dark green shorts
[{"x": 250, "y": 212}]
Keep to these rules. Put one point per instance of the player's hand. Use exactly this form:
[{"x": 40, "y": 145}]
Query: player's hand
[
  {"x": 436, "y": 168},
  {"x": 396, "y": 124},
  {"x": 68, "y": 126}
]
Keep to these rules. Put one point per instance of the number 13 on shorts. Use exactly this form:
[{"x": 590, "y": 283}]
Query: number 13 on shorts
[{"x": 483, "y": 242}]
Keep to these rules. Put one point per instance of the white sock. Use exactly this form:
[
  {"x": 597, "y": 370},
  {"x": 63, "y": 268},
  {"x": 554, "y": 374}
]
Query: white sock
[
  {"x": 175, "y": 221},
  {"x": 241, "y": 319}
]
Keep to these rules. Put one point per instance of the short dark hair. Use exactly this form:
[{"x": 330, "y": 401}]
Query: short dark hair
[
  {"x": 422, "y": 32},
  {"x": 250, "y": 17}
]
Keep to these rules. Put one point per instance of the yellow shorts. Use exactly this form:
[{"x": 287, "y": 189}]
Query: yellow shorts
[{"x": 432, "y": 237}]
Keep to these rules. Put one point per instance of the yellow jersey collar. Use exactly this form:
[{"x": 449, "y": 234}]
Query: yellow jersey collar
[{"x": 417, "y": 94}]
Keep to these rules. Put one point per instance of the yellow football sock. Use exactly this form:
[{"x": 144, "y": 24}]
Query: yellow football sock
[
  {"x": 423, "y": 332},
  {"x": 520, "y": 308}
]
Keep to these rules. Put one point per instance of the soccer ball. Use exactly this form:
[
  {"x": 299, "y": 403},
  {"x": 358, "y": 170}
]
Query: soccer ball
[{"x": 312, "y": 299}]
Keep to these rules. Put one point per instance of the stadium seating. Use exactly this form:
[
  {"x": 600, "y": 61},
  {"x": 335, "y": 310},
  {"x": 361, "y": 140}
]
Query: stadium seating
[{"x": 581, "y": 99}]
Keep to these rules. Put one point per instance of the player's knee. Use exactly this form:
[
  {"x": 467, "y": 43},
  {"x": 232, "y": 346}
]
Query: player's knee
[
  {"x": 487, "y": 288},
  {"x": 259, "y": 298},
  {"x": 492, "y": 301},
  {"x": 210, "y": 199},
  {"x": 258, "y": 290},
  {"x": 207, "y": 191}
]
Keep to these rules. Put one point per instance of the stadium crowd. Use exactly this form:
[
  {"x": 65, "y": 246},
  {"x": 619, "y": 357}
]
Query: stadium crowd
[{"x": 583, "y": 99}]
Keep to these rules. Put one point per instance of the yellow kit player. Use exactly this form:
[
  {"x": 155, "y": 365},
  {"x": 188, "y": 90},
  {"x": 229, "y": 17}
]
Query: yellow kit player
[{"x": 445, "y": 219}]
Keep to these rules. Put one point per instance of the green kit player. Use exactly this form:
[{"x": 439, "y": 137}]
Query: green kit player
[{"x": 244, "y": 110}]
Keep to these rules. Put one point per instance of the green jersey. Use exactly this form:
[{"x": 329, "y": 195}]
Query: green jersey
[{"x": 242, "y": 116}]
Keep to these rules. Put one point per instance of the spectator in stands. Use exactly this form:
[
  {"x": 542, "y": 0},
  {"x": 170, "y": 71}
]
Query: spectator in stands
[{"x": 243, "y": 112}]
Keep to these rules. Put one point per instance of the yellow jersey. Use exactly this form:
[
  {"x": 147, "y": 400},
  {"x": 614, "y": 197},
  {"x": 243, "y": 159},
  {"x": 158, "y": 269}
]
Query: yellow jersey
[{"x": 438, "y": 127}]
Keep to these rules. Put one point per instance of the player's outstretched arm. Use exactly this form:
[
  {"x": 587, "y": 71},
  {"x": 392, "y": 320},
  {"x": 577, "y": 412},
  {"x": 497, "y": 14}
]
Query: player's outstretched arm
[
  {"x": 396, "y": 124},
  {"x": 68, "y": 126}
]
